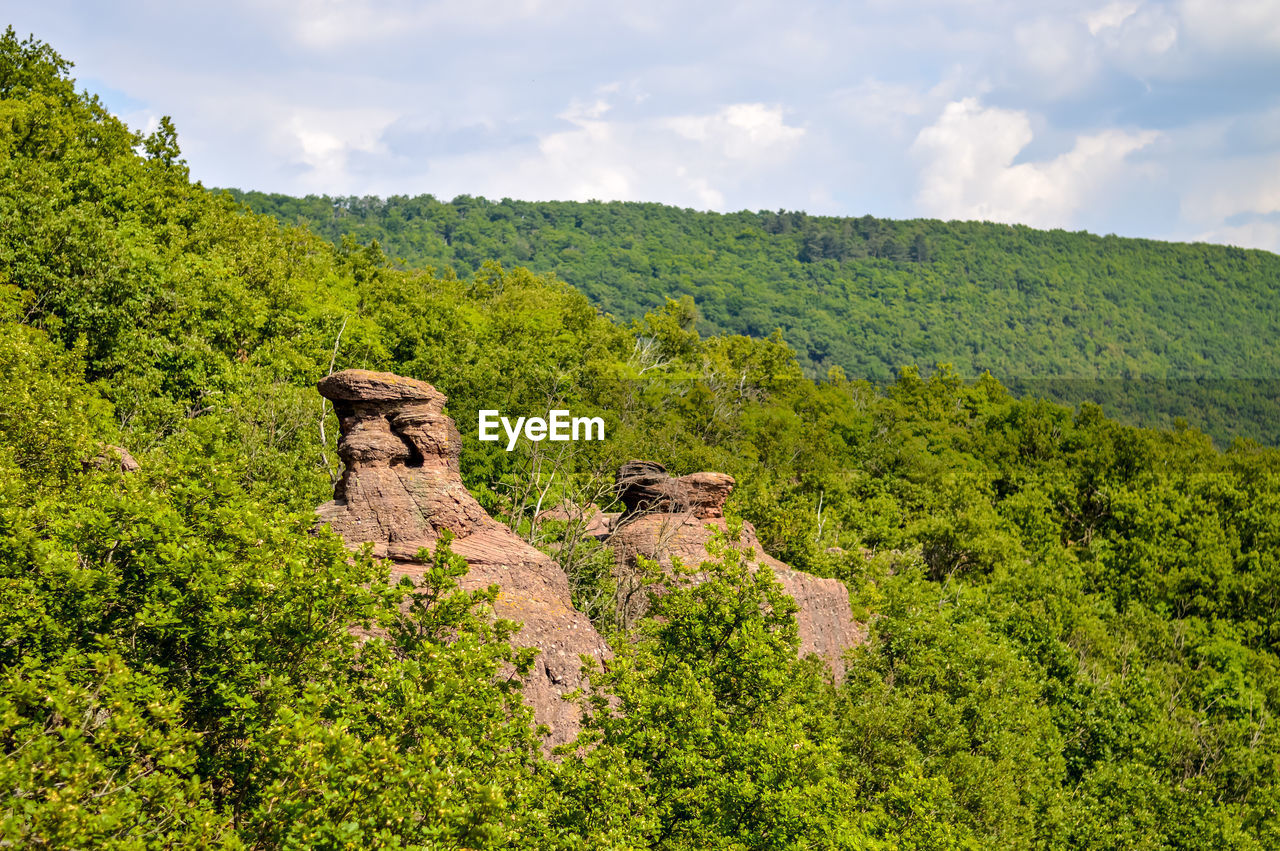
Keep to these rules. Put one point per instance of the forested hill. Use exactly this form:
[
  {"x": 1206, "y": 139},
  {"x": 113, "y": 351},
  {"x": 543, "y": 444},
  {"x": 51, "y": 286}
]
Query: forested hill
[
  {"x": 1073, "y": 626},
  {"x": 1151, "y": 330},
  {"x": 867, "y": 294}
]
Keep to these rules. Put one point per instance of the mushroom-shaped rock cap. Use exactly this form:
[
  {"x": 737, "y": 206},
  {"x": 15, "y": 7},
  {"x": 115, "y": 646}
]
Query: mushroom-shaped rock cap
[
  {"x": 638, "y": 481},
  {"x": 646, "y": 486},
  {"x": 705, "y": 493},
  {"x": 363, "y": 385}
]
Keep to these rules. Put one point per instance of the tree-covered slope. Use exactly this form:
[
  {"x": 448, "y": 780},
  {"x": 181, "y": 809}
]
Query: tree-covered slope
[
  {"x": 870, "y": 295},
  {"x": 1153, "y": 331},
  {"x": 1074, "y": 625}
]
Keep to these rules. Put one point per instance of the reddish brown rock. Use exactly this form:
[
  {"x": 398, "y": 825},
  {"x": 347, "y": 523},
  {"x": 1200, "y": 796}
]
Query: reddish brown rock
[
  {"x": 694, "y": 513},
  {"x": 645, "y": 486},
  {"x": 401, "y": 488}
]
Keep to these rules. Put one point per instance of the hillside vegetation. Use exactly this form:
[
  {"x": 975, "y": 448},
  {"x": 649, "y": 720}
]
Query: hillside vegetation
[
  {"x": 1152, "y": 331},
  {"x": 1073, "y": 622}
]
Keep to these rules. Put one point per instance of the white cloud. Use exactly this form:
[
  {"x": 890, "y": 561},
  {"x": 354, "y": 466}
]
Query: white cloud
[
  {"x": 1259, "y": 234},
  {"x": 314, "y": 145},
  {"x": 580, "y": 112},
  {"x": 1180, "y": 40},
  {"x": 968, "y": 171},
  {"x": 587, "y": 160},
  {"x": 331, "y": 24},
  {"x": 695, "y": 160},
  {"x": 1143, "y": 41},
  {"x": 1233, "y": 24},
  {"x": 323, "y": 142},
  {"x": 1056, "y": 56},
  {"x": 743, "y": 131},
  {"x": 723, "y": 105},
  {"x": 1110, "y": 16},
  {"x": 880, "y": 104},
  {"x": 709, "y": 198},
  {"x": 1254, "y": 189},
  {"x": 1237, "y": 202}
]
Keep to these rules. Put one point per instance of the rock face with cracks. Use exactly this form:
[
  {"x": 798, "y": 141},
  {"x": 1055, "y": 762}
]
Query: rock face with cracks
[
  {"x": 669, "y": 517},
  {"x": 401, "y": 488}
]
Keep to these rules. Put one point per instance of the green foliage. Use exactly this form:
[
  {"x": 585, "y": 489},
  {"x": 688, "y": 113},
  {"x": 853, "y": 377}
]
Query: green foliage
[
  {"x": 1155, "y": 332},
  {"x": 1072, "y": 630},
  {"x": 724, "y": 730},
  {"x": 413, "y": 740},
  {"x": 97, "y": 756},
  {"x": 42, "y": 435},
  {"x": 937, "y": 694}
]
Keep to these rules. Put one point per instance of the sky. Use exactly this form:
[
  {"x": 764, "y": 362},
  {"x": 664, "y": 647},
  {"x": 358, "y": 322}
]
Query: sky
[{"x": 1134, "y": 117}]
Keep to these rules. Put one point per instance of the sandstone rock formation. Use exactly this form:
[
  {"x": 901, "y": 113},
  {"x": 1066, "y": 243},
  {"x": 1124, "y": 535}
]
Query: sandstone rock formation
[
  {"x": 670, "y": 517},
  {"x": 645, "y": 486},
  {"x": 401, "y": 488}
]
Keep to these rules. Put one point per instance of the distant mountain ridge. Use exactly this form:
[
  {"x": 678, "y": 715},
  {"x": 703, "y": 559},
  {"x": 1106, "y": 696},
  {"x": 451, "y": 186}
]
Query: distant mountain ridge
[{"x": 872, "y": 295}]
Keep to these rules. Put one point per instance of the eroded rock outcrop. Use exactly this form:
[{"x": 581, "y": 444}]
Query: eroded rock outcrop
[
  {"x": 401, "y": 488},
  {"x": 669, "y": 517},
  {"x": 645, "y": 486}
]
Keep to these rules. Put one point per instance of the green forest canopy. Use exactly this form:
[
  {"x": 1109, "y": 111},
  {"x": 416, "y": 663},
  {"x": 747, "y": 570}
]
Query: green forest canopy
[
  {"x": 1074, "y": 638},
  {"x": 1153, "y": 331}
]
